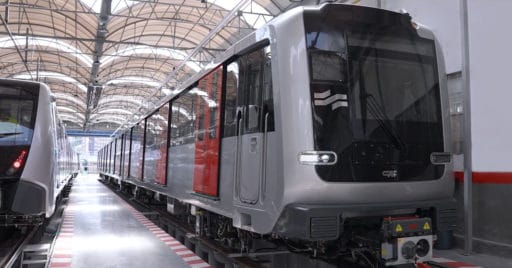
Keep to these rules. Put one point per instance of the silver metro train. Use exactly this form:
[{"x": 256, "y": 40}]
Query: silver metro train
[
  {"x": 326, "y": 128},
  {"x": 36, "y": 159}
]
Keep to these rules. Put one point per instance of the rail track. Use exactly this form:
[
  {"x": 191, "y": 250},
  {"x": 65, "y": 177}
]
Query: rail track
[
  {"x": 215, "y": 253},
  {"x": 12, "y": 242}
]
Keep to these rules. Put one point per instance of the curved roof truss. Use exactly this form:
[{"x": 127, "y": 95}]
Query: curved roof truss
[{"x": 109, "y": 61}]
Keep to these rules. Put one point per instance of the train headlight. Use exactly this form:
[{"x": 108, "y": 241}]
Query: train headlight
[
  {"x": 18, "y": 163},
  {"x": 318, "y": 158}
]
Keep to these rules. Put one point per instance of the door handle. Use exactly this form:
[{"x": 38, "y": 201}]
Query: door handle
[
  {"x": 253, "y": 145},
  {"x": 237, "y": 156},
  {"x": 263, "y": 178}
]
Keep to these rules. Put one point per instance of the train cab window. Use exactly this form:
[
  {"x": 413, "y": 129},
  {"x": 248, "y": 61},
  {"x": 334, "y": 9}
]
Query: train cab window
[
  {"x": 249, "y": 93},
  {"x": 17, "y": 115}
]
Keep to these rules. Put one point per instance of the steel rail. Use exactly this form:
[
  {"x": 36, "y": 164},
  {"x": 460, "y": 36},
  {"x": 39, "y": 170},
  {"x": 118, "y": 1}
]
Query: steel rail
[{"x": 11, "y": 258}]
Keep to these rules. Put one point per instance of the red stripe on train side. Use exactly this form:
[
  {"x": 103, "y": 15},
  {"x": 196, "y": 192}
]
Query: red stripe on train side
[{"x": 486, "y": 177}]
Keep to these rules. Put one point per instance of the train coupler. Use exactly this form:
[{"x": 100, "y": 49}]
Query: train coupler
[{"x": 406, "y": 240}]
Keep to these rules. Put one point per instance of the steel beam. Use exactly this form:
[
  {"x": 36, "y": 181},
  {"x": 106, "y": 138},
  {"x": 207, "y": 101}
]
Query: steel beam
[
  {"x": 468, "y": 164},
  {"x": 15, "y": 45},
  {"x": 230, "y": 16},
  {"x": 94, "y": 88}
]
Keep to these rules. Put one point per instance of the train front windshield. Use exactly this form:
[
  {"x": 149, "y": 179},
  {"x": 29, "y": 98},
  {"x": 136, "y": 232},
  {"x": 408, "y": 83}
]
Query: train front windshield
[
  {"x": 17, "y": 119},
  {"x": 376, "y": 101}
]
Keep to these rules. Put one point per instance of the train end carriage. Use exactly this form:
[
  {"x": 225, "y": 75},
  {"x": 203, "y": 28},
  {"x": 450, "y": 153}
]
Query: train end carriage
[
  {"x": 34, "y": 165},
  {"x": 328, "y": 126}
]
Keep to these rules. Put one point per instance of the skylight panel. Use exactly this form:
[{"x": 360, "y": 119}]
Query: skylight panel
[
  {"x": 116, "y": 6},
  {"x": 162, "y": 52},
  {"x": 253, "y": 13},
  {"x": 53, "y": 75},
  {"x": 6, "y": 42},
  {"x": 133, "y": 80}
]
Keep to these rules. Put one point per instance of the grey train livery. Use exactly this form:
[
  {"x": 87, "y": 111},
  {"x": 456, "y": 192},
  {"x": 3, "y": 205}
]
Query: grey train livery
[
  {"x": 36, "y": 159},
  {"x": 325, "y": 130}
]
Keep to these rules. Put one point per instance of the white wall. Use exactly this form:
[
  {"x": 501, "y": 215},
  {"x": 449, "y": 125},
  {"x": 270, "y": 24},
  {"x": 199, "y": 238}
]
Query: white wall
[
  {"x": 490, "y": 44},
  {"x": 443, "y": 18}
]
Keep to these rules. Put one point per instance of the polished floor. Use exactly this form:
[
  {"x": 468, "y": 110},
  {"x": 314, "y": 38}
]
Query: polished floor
[
  {"x": 100, "y": 229},
  {"x": 459, "y": 260}
]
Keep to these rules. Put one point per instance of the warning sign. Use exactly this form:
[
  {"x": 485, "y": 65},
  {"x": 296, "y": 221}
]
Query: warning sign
[
  {"x": 426, "y": 226},
  {"x": 399, "y": 228}
]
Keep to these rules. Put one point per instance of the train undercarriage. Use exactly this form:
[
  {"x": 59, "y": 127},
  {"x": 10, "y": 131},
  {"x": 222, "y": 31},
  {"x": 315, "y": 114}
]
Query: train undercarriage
[{"x": 364, "y": 241}]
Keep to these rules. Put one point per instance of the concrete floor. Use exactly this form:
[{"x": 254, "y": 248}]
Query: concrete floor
[
  {"x": 99, "y": 230},
  {"x": 476, "y": 259}
]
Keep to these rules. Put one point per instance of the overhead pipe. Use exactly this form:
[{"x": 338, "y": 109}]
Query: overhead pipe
[
  {"x": 94, "y": 89},
  {"x": 16, "y": 45},
  {"x": 7, "y": 11}
]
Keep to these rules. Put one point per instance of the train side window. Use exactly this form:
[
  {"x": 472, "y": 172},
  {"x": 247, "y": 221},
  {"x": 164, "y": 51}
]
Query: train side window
[
  {"x": 155, "y": 153},
  {"x": 231, "y": 87},
  {"x": 126, "y": 156},
  {"x": 183, "y": 118},
  {"x": 137, "y": 150},
  {"x": 119, "y": 148},
  {"x": 249, "y": 93}
]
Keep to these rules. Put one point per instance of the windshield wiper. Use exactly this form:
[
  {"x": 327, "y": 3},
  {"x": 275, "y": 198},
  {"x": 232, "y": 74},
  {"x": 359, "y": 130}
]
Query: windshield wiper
[
  {"x": 383, "y": 121},
  {"x": 3, "y": 135}
]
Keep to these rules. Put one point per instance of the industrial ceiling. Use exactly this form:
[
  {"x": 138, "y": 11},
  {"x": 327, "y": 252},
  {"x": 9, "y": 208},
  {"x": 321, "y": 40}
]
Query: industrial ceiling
[{"x": 110, "y": 61}]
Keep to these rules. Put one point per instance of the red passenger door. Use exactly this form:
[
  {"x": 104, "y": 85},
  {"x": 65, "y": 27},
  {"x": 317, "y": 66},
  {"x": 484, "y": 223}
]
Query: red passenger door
[{"x": 207, "y": 133}]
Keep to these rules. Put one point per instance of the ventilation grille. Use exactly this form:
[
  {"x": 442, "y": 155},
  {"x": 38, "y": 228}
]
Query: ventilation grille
[
  {"x": 324, "y": 227},
  {"x": 446, "y": 219}
]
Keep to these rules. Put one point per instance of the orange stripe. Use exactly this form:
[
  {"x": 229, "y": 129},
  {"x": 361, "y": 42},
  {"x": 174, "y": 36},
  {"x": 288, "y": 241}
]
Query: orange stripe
[{"x": 486, "y": 177}]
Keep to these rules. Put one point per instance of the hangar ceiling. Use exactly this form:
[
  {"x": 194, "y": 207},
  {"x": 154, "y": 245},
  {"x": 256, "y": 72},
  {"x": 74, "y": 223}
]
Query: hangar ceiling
[{"x": 110, "y": 61}]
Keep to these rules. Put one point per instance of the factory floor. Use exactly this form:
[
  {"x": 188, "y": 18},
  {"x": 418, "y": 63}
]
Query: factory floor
[
  {"x": 99, "y": 229},
  {"x": 456, "y": 258}
]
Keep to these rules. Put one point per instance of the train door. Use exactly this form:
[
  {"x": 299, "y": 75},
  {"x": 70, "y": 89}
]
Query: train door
[
  {"x": 252, "y": 116},
  {"x": 207, "y": 138}
]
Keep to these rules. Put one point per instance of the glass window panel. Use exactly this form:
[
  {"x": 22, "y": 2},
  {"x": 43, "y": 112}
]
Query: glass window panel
[
  {"x": 119, "y": 143},
  {"x": 156, "y": 146},
  {"x": 17, "y": 107},
  {"x": 137, "y": 149},
  {"x": 183, "y": 119},
  {"x": 126, "y": 156},
  {"x": 231, "y": 96},
  {"x": 254, "y": 92}
]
